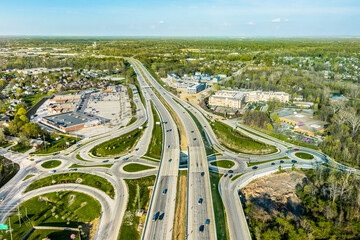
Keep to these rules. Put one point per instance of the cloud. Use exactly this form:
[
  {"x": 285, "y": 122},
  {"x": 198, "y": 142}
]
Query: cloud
[
  {"x": 251, "y": 23},
  {"x": 162, "y": 21},
  {"x": 286, "y": 20},
  {"x": 276, "y": 20}
]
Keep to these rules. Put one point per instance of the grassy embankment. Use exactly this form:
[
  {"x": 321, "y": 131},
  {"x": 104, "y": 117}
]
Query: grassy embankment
[
  {"x": 63, "y": 178},
  {"x": 8, "y": 169},
  {"x": 237, "y": 142},
  {"x": 86, "y": 166},
  {"x": 305, "y": 156},
  {"x": 60, "y": 209},
  {"x": 57, "y": 145},
  {"x": 119, "y": 145},
  {"x": 155, "y": 146},
  {"x": 21, "y": 148},
  {"x": 130, "y": 223}
]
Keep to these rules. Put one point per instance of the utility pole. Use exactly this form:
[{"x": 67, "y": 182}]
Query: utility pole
[{"x": 10, "y": 230}]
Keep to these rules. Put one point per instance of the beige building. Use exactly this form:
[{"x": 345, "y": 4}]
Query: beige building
[{"x": 236, "y": 99}]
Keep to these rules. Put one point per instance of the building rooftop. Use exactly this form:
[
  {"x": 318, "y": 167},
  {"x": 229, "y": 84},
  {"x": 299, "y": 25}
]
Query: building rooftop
[{"x": 70, "y": 119}]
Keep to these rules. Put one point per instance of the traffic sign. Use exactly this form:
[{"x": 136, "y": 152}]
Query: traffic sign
[{"x": 3, "y": 227}]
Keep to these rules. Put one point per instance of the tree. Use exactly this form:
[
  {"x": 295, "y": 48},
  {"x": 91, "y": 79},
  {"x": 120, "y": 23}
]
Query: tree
[{"x": 270, "y": 127}]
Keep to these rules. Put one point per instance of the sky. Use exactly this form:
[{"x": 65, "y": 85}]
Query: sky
[{"x": 198, "y": 18}]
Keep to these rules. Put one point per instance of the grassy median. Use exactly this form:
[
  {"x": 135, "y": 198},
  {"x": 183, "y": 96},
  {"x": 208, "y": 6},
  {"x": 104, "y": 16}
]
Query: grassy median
[
  {"x": 223, "y": 163},
  {"x": 179, "y": 231},
  {"x": 86, "y": 179},
  {"x": 237, "y": 142},
  {"x": 135, "y": 167},
  {"x": 305, "y": 156},
  {"x": 58, "y": 209},
  {"x": 51, "y": 164},
  {"x": 155, "y": 147}
]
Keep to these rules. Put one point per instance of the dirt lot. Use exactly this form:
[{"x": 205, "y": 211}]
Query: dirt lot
[{"x": 275, "y": 193}]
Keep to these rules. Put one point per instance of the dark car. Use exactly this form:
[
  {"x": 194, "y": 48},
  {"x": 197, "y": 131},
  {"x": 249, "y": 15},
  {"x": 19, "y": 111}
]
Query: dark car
[
  {"x": 192, "y": 131},
  {"x": 202, "y": 173},
  {"x": 200, "y": 201},
  {"x": 105, "y": 160},
  {"x": 201, "y": 228},
  {"x": 156, "y": 215},
  {"x": 161, "y": 216},
  {"x": 231, "y": 176},
  {"x": 170, "y": 159},
  {"x": 207, "y": 221},
  {"x": 281, "y": 161},
  {"x": 117, "y": 158},
  {"x": 255, "y": 167},
  {"x": 293, "y": 161},
  {"x": 273, "y": 163},
  {"x": 231, "y": 171},
  {"x": 165, "y": 191},
  {"x": 225, "y": 175},
  {"x": 194, "y": 139}
]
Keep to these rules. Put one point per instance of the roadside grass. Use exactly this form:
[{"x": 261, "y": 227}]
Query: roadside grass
[
  {"x": 60, "y": 209},
  {"x": 51, "y": 164},
  {"x": 64, "y": 178},
  {"x": 8, "y": 170},
  {"x": 53, "y": 234},
  {"x": 132, "y": 103},
  {"x": 219, "y": 210},
  {"x": 155, "y": 146},
  {"x": 130, "y": 222},
  {"x": 20, "y": 148},
  {"x": 28, "y": 176},
  {"x": 179, "y": 231},
  {"x": 87, "y": 166},
  {"x": 303, "y": 155},
  {"x": 239, "y": 143},
  {"x": 135, "y": 167},
  {"x": 132, "y": 120},
  {"x": 57, "y": 145},
  {"x": 6, "y": 144},
  {"x": 236, "y": 177},
  {"x": 272, "y": 160},
  {"x": 119, "y": 145},
  {"x": 282, "y": 137},
  {"x": 223, "y": 163}
]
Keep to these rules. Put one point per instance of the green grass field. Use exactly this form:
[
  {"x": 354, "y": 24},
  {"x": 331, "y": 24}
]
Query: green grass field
[
  {"x": 53, "y": 234},
  {"x": 119, "y": 145},
  {"x": 63, "y": 178},
  {"x": 135, "y": 167},
  {"x": 219, "y": 210},
  {"x": 236, "y": 177},
  {"x": 130, "y": 223},
  {"x": 51, "y": 164},
  {"x": 132, "y": 120},
  {"x": 57, "y": 145},
  {"x": 303, "y": 155},
  {"x": 20, "y": 148},
  {"x": 155, "y": 146},
  {"x": 237, "y": 142},
  {"x": 8, "y": 170},
  {"x": 63, "y": 209},
  {"x": 223, "y": 163}
]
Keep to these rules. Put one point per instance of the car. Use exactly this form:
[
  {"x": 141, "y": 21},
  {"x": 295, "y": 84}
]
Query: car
[
  {"x": 106, "y": 161},
  {"x": 170, "y": 159},
  {"x": 52, "y": 171},
  {"x": 231, "y": 176},
  {"x": 156, "y": 216},
  {"x": 201, "y": 228},
  {"x": 37, "y": 161},
  {"x": 73, "y": 169},
  {"x": 168, "y": 146},
  {"x": 200, "y": 201},
  {"x": 293, "y": 161},
  {"x": 207, "y": 221},
  {"x": 124, "y": 159},
  {"x": 136, "y": 149},
  {"x": 161, "y": 216},
  {"x": 296, "y": 150},
  {"x": 117, "y": 158},
  {"x": 255, "y": 167},
  {"x": 56, "y": 153},
  {"x": 231, "y": 171},
  {"x": 202, "y": 173},
  {"x": 192, "y": 131},
  {"x": 225, "y": 175},
  {"x": 281, "y": 161},
  {"x": 273, "y": 163},
  {"x": 194, "y": 139},
  {"x": 164, "y": 191}
]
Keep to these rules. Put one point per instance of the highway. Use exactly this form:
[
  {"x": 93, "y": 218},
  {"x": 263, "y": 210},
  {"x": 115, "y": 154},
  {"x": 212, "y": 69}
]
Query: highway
[
  {"x": 198, "y": 185},
  {"x": 162, "y": 204}
]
